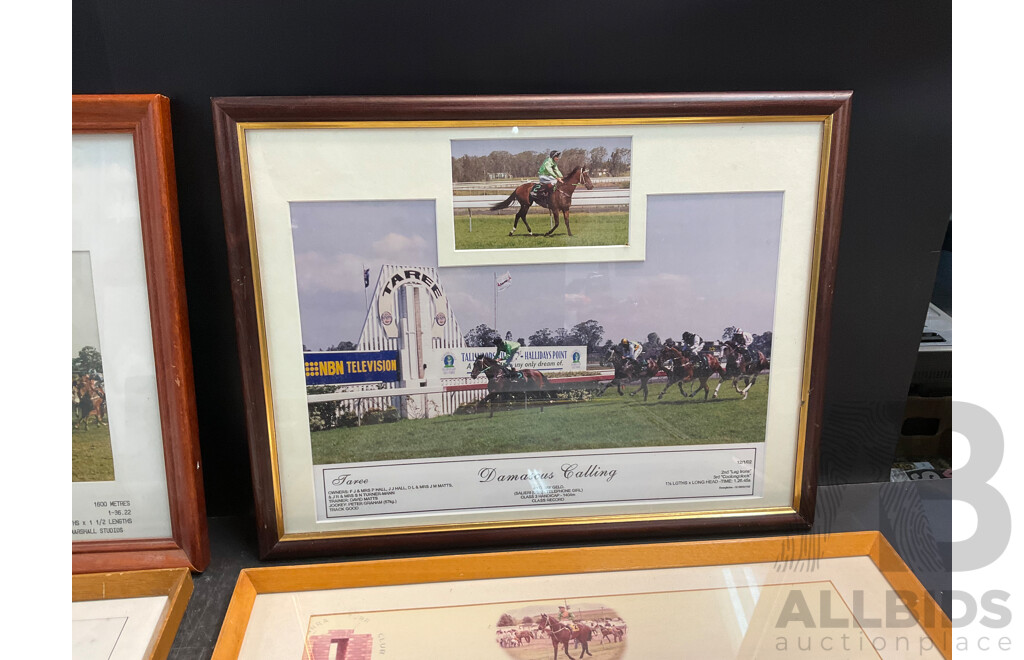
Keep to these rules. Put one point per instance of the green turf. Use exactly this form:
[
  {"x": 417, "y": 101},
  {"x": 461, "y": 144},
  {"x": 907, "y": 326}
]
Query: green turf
[
  {"x": 491, "y": 231},
  {"x": 91, "y": 456},
  {"x": 607, "y": 421}
]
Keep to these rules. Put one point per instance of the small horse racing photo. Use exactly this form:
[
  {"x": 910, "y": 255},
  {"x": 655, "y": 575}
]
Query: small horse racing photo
[
  {"x": 577, "y": 630},
  {"x": 577, "y": 189}
]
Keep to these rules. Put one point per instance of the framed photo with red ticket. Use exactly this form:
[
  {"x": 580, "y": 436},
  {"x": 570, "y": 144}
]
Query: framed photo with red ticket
[
  {"x": 506, "y": 319},
  {"x": 848, "y": 595}
]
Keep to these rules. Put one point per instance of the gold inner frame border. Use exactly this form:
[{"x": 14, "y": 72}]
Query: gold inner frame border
[{"x": 826, "y": 122}]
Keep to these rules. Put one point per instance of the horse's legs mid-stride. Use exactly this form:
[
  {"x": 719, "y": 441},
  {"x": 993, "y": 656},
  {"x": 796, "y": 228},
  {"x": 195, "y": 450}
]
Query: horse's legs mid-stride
[
  {"x": 521, "y": 215},
  {"x": 748, "y": 381},
  {"x": 554, "y": 215},
  {"x": 669, "y": 384},
  {"x": 565, "y": 648}
]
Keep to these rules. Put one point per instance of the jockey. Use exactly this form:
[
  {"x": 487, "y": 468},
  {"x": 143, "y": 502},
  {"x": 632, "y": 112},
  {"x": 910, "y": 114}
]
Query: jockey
[
  {"x": 631, "y": 350},
  {"x": 509, "y": 348},
  {"x": 671, "y": 343},
  {"x": 744, "y": 341},
  {"x": 694, "y": 346},
  {"x": 549, "y": 174},
  {"x": 566, "y": 617}
]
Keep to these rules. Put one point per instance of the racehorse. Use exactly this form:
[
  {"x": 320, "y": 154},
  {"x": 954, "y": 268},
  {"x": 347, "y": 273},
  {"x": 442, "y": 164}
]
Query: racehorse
[
  {"x": 91, "y": 402},
  {"x": 626, "y": 372},
  {"x": 558, "y": 201},
  {"x": 615, "y": 632},
  {"x": 499, "y": 382},
  {"x": 684, "y": 371},
  {"x": 737, "y": 366},
  {"x": 521, "y": 635},
  {"x": 562, "y": 634}
]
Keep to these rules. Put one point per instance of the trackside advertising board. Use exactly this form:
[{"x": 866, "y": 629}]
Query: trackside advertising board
[
  {"x": 458, "y": 362},
  {"x": 342, "y": 367}
]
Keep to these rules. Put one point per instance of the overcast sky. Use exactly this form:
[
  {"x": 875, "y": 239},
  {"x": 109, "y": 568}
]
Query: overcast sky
[
  {"x": 84, "y": 328},
  {"x": 515, "y": 146},
  {"x": 551, "y": 607},
  {"x": 688, "y": 281}
]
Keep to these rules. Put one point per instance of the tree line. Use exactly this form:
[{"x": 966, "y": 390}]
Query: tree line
[
  {"x": 88, "y": 360},
  {"x": 506, "y": 620},
  {"x": 590, "y": 333},
  {"x": 524, "y": 165}
]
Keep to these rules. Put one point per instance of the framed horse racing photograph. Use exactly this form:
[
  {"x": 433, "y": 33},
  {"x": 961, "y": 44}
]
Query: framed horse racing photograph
[
  {"x": 660, "y": 370},
  {"x": 137, "y": 488},
  {"x": 743, "y": 598}
]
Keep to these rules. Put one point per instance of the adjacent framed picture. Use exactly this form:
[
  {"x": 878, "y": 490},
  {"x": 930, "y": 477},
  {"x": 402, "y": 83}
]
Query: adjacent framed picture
[
  {"x": 497, "y": 320},
  {"x": 779, "y": 597},
  {"x": 137, "y": 486},
  {"x": 134, "y": 614}
]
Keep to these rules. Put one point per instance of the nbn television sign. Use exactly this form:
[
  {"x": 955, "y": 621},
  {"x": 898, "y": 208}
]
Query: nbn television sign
[{"x": 340, "y": 367}]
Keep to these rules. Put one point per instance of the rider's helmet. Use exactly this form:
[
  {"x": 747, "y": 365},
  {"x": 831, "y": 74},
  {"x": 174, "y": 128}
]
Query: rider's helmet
[
  {"x": 499, "y": 342},
  {"x": 672, "y": 342},
  {"x": 624, "y": 342},
  {"x": 687, "y": 337},
  {"x": 555, "y": 153}
]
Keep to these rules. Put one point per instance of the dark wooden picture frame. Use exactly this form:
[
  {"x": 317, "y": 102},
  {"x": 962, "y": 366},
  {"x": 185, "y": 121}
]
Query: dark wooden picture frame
[
  {"x": 232, "y": 116},
  {"x": 147, "y": 118}
]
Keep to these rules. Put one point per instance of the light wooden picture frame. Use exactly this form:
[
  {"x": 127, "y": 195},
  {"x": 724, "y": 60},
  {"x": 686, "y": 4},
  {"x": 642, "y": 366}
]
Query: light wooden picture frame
[
  {"x": 734, "y": 595},
  {"x": 136, "y": 609}
]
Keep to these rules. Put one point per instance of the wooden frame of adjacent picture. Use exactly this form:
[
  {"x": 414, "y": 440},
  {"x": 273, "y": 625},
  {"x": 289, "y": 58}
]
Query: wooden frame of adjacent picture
[
  {"x": 237, "y": 120},
  {"x": 174, "y": 583},
  {"x": 146, "y": 117}
]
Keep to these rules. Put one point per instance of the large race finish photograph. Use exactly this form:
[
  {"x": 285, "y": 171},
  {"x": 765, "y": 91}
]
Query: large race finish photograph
[
  {"x": 610, "y": 318},
  {"x": 405, "y": 360}
]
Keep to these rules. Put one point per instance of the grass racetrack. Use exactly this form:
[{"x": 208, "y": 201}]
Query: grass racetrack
[
  {"x": 91, "y": 456},
  {"x": 607, "y": 421},
  {"x": 490, "y": 231}
]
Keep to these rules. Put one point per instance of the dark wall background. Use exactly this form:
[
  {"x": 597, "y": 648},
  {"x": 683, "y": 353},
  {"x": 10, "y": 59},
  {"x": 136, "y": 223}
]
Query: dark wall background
[{"x": 896, "y": 57}]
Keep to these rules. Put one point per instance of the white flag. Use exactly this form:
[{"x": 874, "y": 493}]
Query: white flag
[{"x": 504, "y": 281}]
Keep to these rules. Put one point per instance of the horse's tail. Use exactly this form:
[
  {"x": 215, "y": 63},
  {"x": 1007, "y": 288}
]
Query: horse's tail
[{"x": 503, "y": 205}]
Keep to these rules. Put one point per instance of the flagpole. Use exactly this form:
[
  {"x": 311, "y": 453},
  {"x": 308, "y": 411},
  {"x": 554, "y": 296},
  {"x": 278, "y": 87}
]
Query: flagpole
[
  {"x": 495, "y": 285},
  {"x": 366, "y": 301}
]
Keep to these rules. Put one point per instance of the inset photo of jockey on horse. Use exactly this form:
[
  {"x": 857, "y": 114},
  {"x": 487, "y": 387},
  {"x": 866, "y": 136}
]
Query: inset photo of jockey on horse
[
  {"x": 91, "y": 453},
  {"x": 541, "y": 192},
  {"x": 534, "y": 631}
]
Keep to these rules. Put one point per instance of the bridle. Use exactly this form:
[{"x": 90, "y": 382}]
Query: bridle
[
  {"x": 484, "y": 370},
  {"x": 583, "y": 173}
]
